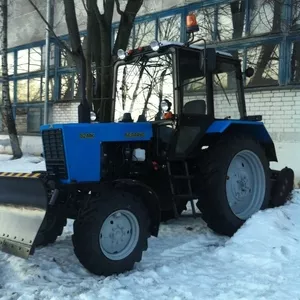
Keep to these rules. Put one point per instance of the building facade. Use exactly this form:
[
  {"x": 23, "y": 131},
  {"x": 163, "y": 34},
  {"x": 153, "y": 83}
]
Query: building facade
[{"x": 264, "y": 34}]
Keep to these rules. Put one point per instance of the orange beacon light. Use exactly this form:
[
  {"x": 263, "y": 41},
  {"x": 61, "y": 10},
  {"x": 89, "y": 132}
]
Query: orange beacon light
[{"x": 191, "y": 23}]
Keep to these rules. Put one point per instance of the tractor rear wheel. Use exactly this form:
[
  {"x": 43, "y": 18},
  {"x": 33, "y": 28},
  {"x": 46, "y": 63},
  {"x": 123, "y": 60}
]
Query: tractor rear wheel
[
  {"x": 236, "y": 183},
  {"x": 111, "y": 232}
]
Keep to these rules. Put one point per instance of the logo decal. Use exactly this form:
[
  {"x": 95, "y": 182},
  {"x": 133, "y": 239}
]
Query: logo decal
[
  {"x": 134, "y": 134},
  {"x": 87, "y": 135}
]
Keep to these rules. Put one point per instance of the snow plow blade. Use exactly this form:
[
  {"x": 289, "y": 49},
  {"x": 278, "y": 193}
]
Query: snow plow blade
[
  {"x": 23, "y": 204},
  {"x": 283, "y": 185}
]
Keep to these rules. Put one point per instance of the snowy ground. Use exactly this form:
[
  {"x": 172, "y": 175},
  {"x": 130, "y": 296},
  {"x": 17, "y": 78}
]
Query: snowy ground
[{"x": 186, "y": 261}]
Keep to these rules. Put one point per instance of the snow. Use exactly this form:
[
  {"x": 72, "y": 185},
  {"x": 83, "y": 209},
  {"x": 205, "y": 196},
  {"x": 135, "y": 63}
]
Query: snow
[{"x": 187, "y": 261}]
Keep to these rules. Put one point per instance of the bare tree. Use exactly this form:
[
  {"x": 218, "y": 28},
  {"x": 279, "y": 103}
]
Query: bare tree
[
  {"x": 8, "y": 113},
  {"x": 295, "y": 57},
  {"x": 99, "y": 51}
]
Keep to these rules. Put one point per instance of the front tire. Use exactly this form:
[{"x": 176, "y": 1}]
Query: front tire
[
  {"x": 111, "y": 232},
  {"x": 51, "y": 228},
  {"x": 236, "y": 181}
]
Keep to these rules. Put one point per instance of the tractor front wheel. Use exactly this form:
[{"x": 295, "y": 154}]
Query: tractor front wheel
[
  {"x": 236, "y": 183},
  {"x": 51, "y": 228},
  {"x": 111, "y": 232}
]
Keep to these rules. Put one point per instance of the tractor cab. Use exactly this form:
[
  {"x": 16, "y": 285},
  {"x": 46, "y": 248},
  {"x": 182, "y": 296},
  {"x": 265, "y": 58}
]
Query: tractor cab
[{"x": 180, "y": 88}]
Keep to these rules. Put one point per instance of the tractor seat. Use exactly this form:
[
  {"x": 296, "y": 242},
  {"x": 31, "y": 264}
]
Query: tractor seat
[{"x": 195, "y": 107}]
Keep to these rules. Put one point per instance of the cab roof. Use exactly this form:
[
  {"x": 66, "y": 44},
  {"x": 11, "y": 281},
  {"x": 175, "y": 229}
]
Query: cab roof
[{"x": 172, "y": 43}]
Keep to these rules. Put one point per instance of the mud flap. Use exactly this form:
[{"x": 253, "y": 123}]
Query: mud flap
[
  {"x": 23, "y": 204},
  {"x": 283, "y": 184}
]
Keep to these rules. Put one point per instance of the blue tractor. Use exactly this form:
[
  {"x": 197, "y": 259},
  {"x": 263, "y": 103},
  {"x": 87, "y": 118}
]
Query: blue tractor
[{"x": 166, "y": 145}]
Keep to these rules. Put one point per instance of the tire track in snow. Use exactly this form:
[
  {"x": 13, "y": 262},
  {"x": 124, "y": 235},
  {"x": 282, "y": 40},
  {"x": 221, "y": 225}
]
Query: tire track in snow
[{"x": 173, "y": 246}]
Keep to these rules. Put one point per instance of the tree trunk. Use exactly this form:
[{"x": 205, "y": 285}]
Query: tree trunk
[
  {"x": 8, "y": 113},
  {"x": 126, "y": 24},
  {"x": 268, "y": 49},
  {"x": 75, "y": 42},
  {"x": 89, "y": 74}
]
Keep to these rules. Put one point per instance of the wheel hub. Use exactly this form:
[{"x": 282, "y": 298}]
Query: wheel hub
[
  {"x": 241, "y": 186},
  {"x": 245, "y": 185},
  {"x": 119, "y": 235}
]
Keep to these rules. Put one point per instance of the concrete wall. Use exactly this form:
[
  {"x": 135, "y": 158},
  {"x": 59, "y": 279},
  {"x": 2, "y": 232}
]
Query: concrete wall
[
  {"x": 280, "y": 110},
  {"x": 65, "y": 112}
]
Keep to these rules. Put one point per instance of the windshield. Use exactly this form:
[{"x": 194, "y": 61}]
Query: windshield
[{"x": 142, "y": 85}]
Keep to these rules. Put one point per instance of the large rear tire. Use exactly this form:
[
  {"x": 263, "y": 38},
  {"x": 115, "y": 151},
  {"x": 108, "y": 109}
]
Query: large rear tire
[
  {"x": 236, "y": 183},
  {"x": 111, "y": 232}
]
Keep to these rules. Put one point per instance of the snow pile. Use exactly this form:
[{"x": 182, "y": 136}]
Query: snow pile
[
  {"x": 26, "y": 164},
  {"x": 187, "y": 261}
]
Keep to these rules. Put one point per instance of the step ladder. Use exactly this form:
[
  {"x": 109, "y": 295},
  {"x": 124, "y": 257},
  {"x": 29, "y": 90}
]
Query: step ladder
[{"x": 186, "y": 176}]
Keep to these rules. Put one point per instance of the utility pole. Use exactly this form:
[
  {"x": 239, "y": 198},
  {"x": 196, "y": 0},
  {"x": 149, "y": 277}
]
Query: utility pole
[{"x": 47, "y": 58}]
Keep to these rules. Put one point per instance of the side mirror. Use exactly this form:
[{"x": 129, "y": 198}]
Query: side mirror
[{"x": 249, "y": 72}]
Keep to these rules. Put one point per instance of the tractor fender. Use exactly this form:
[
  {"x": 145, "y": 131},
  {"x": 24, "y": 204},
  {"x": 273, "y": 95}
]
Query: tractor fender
[
  {"x": 149, "y": 197},
  {"x": 256, "y": 130}
]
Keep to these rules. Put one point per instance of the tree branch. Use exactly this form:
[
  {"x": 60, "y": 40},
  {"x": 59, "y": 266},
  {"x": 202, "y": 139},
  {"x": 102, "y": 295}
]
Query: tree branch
[
  {"x": 50, "y": 28},
  {"x": 85, "y": 6},
  {"x": 120, "y": 12},
  {"x": 126, "y": 24},
  {"x": 99, "y": 17}
]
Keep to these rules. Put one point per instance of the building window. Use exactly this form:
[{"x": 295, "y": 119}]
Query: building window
[
  {"x": 66, "y": 60},
  {"x": 265, "y": 61},
  {"x": 22, "y": 91},
  {"x": 50, "y": 88},
  {"x": 35, "y": 89},
  {"x": 295, "y": 23},
  {"x": 205, "y": 20},
  {"x": 170, "y": 28},
  {"x": 265, "y": 16},
  {"x": 10, "y": 63},
  {"x": 144, "y": 34},
  {"x": 23, "y": 61},
  {"x": 11, "y": 91},
  {"x": 35, "y": 59},
  {"x": 51, "y": 58},
  {"x": 295, "y": 62},
  {"x": 67, "y": 87},
  {"x": 231, "y": 21}
]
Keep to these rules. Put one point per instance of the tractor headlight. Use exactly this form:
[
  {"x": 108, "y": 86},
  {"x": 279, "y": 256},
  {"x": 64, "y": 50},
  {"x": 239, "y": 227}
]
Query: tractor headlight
[
  {"x": 93, "y": 116},
  {"x": 155, "y": 45},
  {"x": 121, "y": 54},
  {"x": 165, "y": 105}
]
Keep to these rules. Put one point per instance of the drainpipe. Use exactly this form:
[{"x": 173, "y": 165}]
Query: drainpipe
[{"x": 47, "y": 60}]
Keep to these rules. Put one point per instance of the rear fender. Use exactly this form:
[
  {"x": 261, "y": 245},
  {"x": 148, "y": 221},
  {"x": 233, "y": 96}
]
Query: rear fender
[
  {"x": 149, "y": 197},
  {"x": 255, "y": 129}
]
